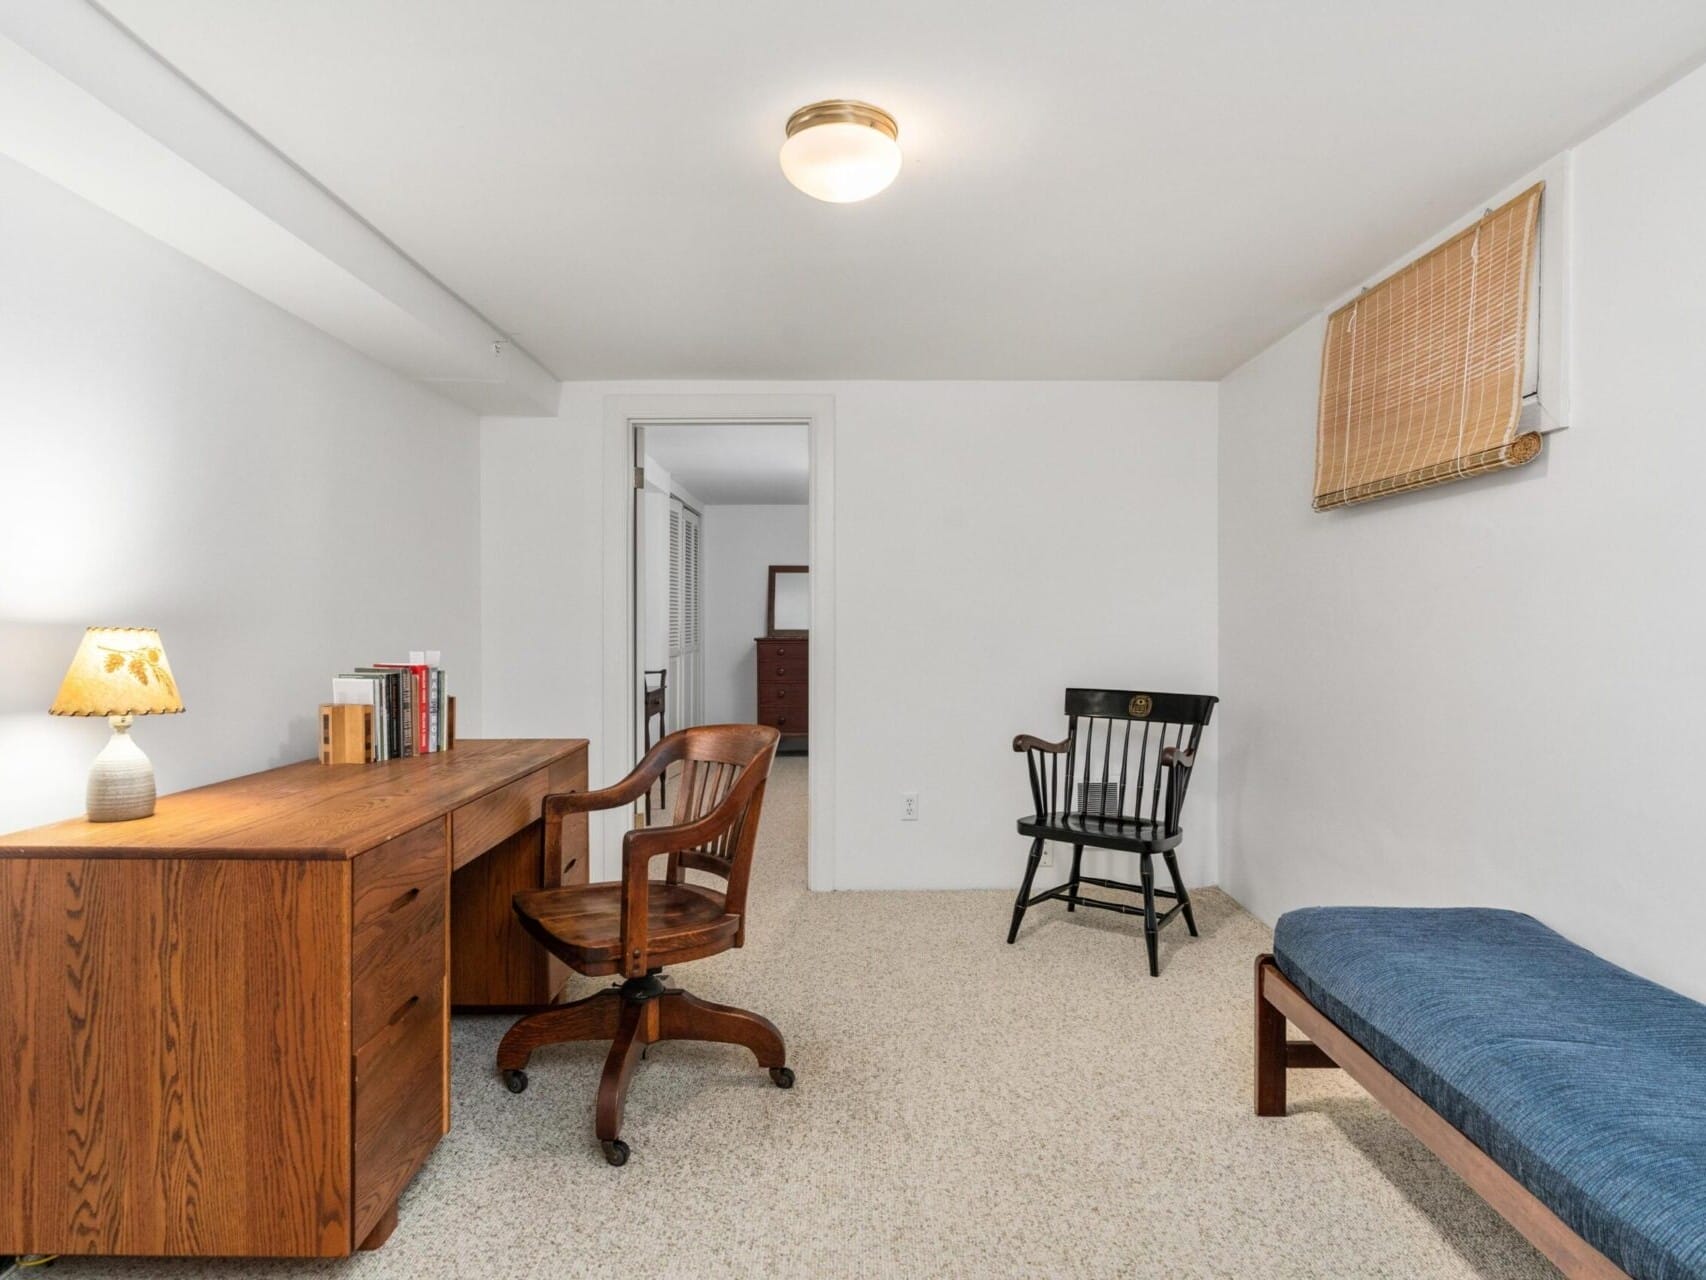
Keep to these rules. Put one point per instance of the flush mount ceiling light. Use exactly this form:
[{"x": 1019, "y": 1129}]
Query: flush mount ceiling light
[{"x": 841, "y": 150}]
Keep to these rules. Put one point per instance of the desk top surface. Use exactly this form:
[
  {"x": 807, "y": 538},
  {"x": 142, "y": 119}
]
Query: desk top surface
[{"x": 307, "y": 811}]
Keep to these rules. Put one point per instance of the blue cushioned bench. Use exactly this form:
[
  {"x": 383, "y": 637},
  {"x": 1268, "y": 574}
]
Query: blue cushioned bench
[{"x": 1568, "y": 1092}]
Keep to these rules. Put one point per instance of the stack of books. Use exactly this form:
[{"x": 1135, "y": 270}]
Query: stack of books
[{"x": 408, "y": 701}]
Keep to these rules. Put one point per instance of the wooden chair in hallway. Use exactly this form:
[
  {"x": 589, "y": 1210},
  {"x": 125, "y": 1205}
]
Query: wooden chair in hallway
[
  {"x": 1123, "y": 789},
  {"x": 637, "y": 926},
  {"x": 657, "y": 708}
]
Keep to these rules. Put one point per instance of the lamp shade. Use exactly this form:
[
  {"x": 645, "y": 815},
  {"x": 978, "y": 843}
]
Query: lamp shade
[{"x": 118, "y": 671}]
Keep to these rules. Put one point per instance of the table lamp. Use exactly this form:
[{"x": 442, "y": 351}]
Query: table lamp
[{"x": 119, "y": 672}]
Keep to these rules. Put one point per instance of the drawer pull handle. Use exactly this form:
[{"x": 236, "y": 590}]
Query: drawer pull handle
[
  {"x": 404, "y": 900},
  {"x": 403, "y": 1011}
]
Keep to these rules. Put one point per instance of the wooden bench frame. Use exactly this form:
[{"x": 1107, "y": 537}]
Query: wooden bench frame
[{"x": 1278, "y": 1001}]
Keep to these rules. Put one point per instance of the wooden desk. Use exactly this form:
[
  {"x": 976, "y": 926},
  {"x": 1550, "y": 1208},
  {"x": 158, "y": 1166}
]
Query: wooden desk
[{"x": 224, "y": 1029}]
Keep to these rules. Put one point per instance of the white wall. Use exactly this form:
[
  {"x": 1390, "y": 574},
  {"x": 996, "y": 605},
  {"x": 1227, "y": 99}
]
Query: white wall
[
  {"x": 1489, "y": 693},
  {"x": 741, "y": 543},
  {"x": 995, "y": 542},
  {"x": 540, "y": 568},
  {"x": 176, "y": 453}
]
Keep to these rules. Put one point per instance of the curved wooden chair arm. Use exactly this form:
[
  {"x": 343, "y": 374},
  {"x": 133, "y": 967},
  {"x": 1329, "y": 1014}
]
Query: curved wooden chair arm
[
  {"x": 1174, "y": 756},
  {"x": 630, "y": 789},
  {"x": 1026, "y": 742},
  {"x": 642, "y": 844}
]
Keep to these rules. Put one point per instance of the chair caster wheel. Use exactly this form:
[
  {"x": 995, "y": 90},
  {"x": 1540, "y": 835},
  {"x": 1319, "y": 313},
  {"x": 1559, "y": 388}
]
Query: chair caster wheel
[
  {"x": 616, "y": 1151},
  {"x": 782, "y": 1077},
  {"x": 516, "y": 1080}
]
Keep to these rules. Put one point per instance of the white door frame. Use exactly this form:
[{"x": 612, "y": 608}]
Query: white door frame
[{"x": 622, "y": 413}]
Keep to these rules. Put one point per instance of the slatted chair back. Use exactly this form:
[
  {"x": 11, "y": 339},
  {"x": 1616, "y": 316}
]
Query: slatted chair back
[
  {"x": 712, "y": 761},
  {"x": 1128, "y": 756}
]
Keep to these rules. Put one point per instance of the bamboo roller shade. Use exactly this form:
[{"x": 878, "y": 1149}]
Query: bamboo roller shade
[{"x": 1421, "y": 376}]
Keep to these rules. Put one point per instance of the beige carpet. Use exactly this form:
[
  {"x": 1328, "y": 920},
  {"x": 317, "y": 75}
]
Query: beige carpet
[{"x": 964, "y": 1108}]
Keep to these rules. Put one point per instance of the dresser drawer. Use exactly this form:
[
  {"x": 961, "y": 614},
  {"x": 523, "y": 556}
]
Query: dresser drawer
[
  {"x": 773, "y": 672},
  {"x": 790, "y": 719},
  {"x": 399, "y": 1101},
  {"x": 378, "y": 990},
  {"x": 397, "y": 913},
  {"x": 480, "y": 824},
  {"x": 394, "y": 885},
  {"x": 774, "y": 651}
]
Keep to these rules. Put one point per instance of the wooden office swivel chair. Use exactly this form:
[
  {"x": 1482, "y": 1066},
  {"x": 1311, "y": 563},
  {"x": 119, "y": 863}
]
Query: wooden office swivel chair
[
  {"x": 637, "y": 926},
  {"x": 1121, "y": 790}
]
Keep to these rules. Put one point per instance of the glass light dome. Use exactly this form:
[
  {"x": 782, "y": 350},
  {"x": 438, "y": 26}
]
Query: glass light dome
[{"x": 841, "y": 150}]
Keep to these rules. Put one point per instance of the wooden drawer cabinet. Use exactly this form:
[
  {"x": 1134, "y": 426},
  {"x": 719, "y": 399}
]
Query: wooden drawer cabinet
[
  {"x": 783, "y": 675},
  {"x": 290, "y": 929}
]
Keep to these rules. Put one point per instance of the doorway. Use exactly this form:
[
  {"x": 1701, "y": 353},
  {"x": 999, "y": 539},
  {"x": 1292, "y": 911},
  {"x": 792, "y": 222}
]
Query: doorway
[{"x": 712, "y": 503}]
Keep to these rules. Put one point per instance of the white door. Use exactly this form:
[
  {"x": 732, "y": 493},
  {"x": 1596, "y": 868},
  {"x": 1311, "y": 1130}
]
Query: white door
[{"x": 686, "y": 640}]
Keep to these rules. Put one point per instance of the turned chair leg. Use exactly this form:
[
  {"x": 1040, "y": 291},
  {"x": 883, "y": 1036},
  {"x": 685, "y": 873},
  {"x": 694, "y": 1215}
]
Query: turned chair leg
[
  {"x": 1072, "y": 893},
  {"x": 1179, "y": 888},
  {"x": 1025, "y": 888},
  {"x": 1151, "y": 933}
]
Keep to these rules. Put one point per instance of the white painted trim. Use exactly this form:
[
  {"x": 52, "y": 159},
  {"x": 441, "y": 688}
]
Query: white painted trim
[{"x": 621, "y": 414}]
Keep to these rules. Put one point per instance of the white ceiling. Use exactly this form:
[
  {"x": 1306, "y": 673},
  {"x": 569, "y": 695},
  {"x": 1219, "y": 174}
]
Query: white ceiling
[
  {"x": 761, "y": 463},
  {"x": 1132, "y": 189}
]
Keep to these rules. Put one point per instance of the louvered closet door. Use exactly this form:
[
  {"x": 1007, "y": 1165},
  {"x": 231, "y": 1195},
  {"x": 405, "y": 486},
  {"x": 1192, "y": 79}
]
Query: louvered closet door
[
  {"x": 675, "y": 510},
  {"x": 686, "y": 655}
]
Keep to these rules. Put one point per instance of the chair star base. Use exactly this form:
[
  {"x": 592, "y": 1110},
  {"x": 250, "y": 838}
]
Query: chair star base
[{"x": 641, "y": 1011}]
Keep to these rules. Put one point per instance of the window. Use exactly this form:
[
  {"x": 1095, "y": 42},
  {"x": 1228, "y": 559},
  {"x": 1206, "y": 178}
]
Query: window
[{"x": 1424, "y": 375}]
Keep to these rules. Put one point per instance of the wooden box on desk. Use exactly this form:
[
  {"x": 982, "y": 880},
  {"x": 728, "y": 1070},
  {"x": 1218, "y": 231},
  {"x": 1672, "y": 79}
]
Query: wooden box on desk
[
  {"x": 346, "y": 733},
  {"x": 224, "y": 1029}
]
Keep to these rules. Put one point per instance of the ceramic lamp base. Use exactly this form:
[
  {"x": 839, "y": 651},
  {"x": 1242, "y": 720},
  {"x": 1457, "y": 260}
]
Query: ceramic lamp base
[{"x": 121, "y": 781}]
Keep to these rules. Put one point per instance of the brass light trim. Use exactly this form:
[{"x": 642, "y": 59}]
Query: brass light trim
[{"x": 843, "y": 111}]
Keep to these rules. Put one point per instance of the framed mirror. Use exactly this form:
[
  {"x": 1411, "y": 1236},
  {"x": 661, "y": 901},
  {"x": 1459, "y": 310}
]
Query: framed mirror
[{"x": 788, "y": 614}]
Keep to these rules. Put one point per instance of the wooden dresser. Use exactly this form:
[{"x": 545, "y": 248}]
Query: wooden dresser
[
  {"x": 782, "y": 686},
  {"x": 224, "y": 1029}
]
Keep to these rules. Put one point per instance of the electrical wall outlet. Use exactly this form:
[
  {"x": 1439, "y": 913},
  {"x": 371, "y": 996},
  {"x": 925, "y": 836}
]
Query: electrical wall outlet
[
  {"x": 1047, "y": 860},
  {"x": 909, "y": 806}
]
